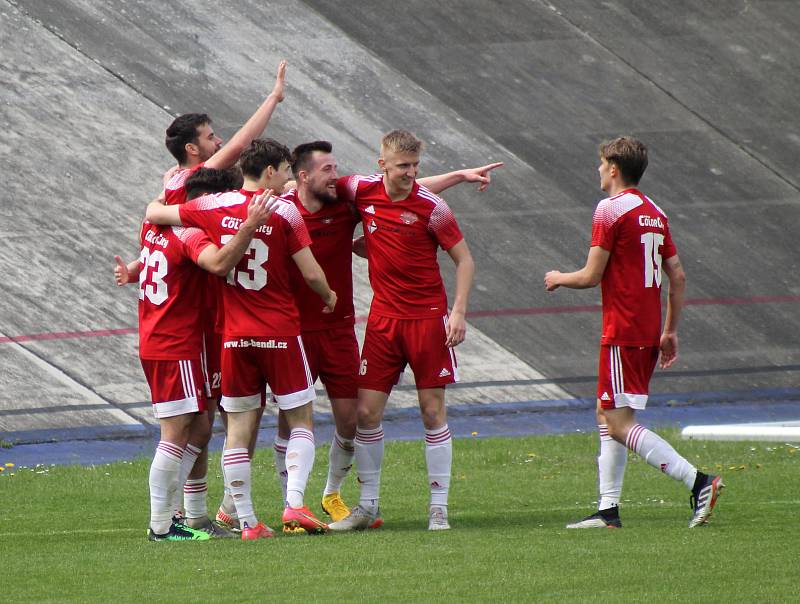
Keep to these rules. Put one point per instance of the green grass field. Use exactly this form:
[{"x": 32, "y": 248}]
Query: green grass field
[{"x": 77, "y": 534}]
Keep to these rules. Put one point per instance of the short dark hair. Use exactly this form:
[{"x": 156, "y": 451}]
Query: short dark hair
[
  {"x": 301, "y": 156},
  {"x": 183, "y": 130},
  {"x": 263, "y": 152},
  {"x": 630, "y": 156},
  {"x": 213, "y": 180}
]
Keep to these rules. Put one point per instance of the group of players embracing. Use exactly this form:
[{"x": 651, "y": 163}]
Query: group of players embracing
[{"x": 245, "y": 283}]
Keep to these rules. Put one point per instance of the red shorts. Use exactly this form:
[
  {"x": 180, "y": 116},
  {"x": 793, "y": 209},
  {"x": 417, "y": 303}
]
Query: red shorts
[
  {"x": 251, "y": 363},
  {"x": 212, "y": 367},
  {"x": 333, "y": 358},
  {"x": 176, "y": 387},
  {"x": 391, "y": 343},
  {"x": 624, "y": 375}
]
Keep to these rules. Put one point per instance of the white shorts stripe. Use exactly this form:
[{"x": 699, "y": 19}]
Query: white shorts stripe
[
  {"x": 617, "y": 380},
  {"x": 305, "y": 361},
  {"x": 185, "y": 370}
]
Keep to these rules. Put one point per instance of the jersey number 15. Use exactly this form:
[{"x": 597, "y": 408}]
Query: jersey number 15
[{"x": 651, "y": 242}]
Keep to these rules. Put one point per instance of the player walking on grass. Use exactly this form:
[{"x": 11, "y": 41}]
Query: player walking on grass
[
  {"x": 631, "y": 250},
  {"x": 261, "y": 342},
  {"x": 170, "y": 347},
  {"x": 404, "y": 224}
]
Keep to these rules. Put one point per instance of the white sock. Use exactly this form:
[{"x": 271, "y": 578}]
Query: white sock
[
  {"x": 340, "y": 460},
  {"x": 279, "y": 447},
  {"x": 190, "y": 454},
  {"x": 439, "y": 457},
  {"x": 299, "y": 461},
  {"x": 610, "y": 469},
  {"x": 227, "y": 504},
  {"x": 163, "y": 484},
  {"x": 194, "y": 497},
  {"x": 236, "y": 464},
  {"x": 660, "y": 454},
  {"x": 369, "y": 458}
]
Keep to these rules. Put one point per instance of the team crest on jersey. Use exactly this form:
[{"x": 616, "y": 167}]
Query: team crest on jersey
[
  {"x": 409, "y": 217},
  {"x": 372, "y": 227}
]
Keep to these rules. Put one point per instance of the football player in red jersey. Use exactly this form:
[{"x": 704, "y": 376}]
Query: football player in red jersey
[
  {"x": 631, "y": 251},
  {"x": 330, "y": 339},
  {"x": 404, "y": 224},
  {"x": 170, "y": 347},
  {"x": 262, "y": 344}
]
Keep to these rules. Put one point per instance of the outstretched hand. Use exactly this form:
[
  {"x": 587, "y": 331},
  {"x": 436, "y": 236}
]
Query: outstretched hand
[
  {"x": 280, "y": 81},
  {"x": 121, "y": 274},
  {"x": 481, "y": 175},
  {"x": 551, "y": 280},
  {"x": 261, "y": 208}
]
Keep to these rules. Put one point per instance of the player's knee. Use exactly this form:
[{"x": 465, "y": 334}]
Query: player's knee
[{"x": 367, "y": 417}]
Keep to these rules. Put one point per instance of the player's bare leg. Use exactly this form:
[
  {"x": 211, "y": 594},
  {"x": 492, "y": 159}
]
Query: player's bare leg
[
  {"x": 340, "y": 457},
  {"x": 369, "y": 458},
  {"x": 237, "y": 469},
  {"x": 438, "y": 454}
]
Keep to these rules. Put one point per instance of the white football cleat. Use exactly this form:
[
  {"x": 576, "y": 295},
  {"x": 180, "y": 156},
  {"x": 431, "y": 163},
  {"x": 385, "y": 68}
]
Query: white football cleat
[{"x": 437, "y": 518}]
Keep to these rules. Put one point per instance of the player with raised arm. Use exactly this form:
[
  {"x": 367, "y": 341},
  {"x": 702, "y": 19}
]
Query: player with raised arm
[
  {"x": 631, "y": 250},
  {"x": 261, "y": 344},
  {"x": 191, "y": 140},
  {"x": 170, "y": 347},
  {"x": 404, "y": 224}
]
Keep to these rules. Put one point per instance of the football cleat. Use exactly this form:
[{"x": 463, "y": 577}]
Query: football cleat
[
  {"x": 214, "y": 531},
  {"x": 608, "y": 518},
  {"x": 227, "y": 522},
  {"x": 294, "y": 530},
  {"x": 704, "y": 496},
  {"x": 178, "y": 532},
  {"x": 303, "y": 518},
  {"x": 259, "y": 531},
  {"x": 437, "y": 518},
  {"x": 359, "y": 519},
  {"x": 334, "y": 506}
]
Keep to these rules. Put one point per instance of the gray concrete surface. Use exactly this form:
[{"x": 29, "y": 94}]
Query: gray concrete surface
[{"x": 88, "y": 88}]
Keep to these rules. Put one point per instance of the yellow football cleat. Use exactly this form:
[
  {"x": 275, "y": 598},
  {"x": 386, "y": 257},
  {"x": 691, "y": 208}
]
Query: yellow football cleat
[{"x": 334, "y": 506}]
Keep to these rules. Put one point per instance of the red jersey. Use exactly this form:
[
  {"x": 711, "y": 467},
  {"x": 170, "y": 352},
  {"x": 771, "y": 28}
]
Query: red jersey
[
  {"x": 636, "y": 232},
  {"x": 175, "y": 194},
  {"x": 257, "y": 295},
  {"x": 175, "y": 188},
  {"x": 331, "y": 230},
  {"x": 170, "y": 285},
  {"x": 402, "y": 239}
]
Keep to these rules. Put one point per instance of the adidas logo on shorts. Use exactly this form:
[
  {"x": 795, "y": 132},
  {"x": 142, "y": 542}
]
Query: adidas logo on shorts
[
  {"x": 444, "y": 373},
  {"x": 605, "y": 397}
]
